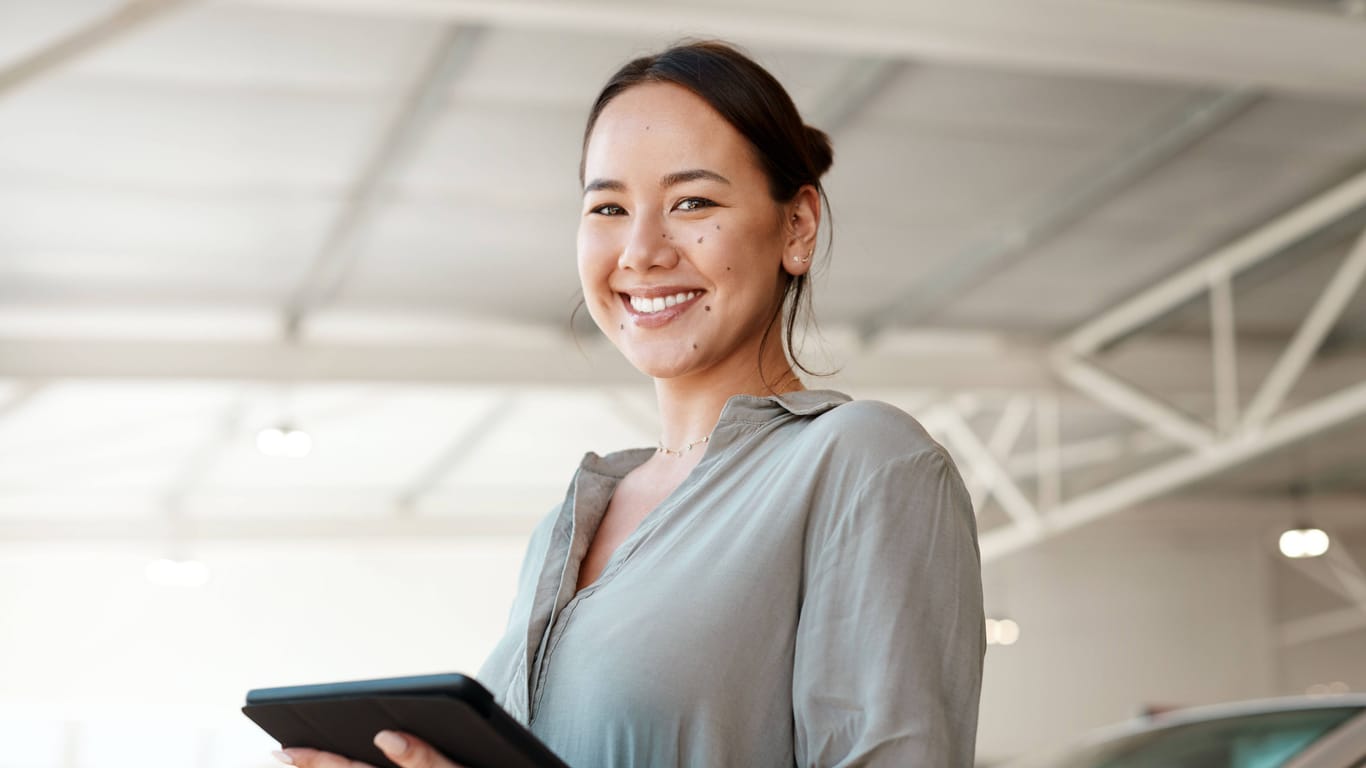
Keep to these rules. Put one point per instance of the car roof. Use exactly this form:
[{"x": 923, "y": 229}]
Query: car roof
[
  {"x": 1188, "y": 715},
  {"x": 1231, "y": 709}
]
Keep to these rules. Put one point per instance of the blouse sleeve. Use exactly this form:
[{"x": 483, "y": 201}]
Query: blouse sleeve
[{"x": 891, "y": 636}]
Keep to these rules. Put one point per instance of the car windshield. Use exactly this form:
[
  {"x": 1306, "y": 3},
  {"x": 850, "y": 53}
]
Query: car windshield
[{"x": 1265, "y": 740}]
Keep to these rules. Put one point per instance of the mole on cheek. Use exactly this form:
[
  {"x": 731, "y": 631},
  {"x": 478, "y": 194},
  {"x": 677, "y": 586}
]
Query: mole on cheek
[
  {"x": 707, "y": 307},
  {"x": 718, "y": 227},
  {"x": 694, "y": 346},
  {"x": 622, "y": 326},
  {"x": 699, "y": 239}
]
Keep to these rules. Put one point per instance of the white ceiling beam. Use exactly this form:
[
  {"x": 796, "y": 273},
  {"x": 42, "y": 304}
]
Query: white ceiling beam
[
  {"x": 266, "y": 529},
  {"x": 82, "y": 41},
  {"x": 1263, "y": 243},
  {"x": 1186, "y": 41},
  {"x": 1000, "y": 445},
  {"x": 435, "y": 354},
  {"x": 1014, "y": 239},
  {"x": 21, "y": 395},
  {"x": 421, "y": 103},
  {"x": 553, "y": 362},
  {"x": 1130, "y": 401},
  {"x": 1309, "y": 336},
  {"x": 863, "y": 80},
  {"x": 1048, "y": 437},
  {"x": 1224, "y": 338},
  {"x": 1306, "y": 420},
  {"x": 1079, "y": 454},
  {"x": 965, "y": 444}
]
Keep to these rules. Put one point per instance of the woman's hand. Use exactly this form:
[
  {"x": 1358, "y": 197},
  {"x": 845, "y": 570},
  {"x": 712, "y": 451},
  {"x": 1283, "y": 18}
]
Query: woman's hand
[{"x": 408, "y": 751}]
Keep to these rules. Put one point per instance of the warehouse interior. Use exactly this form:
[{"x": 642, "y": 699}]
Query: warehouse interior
[{"x": 288, "y": 371}]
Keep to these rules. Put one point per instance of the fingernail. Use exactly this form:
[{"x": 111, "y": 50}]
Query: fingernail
[
  {"x": 391, "y": 743},
  {"x": 283, "y": 757}
]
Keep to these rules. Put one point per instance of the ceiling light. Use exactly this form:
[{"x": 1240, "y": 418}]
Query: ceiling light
[
  {"x": 1002, "y": 632},
  {"x": 1304, "y": 542},
  {"x": 284, "y": 441},
  {"x": 177, "y": 573}
]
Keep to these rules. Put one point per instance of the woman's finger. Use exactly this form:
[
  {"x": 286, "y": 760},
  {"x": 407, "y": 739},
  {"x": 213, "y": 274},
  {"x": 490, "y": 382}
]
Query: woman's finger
[
  {"x": 411, "y": 752},
  {"x": 302, "y": 757}
]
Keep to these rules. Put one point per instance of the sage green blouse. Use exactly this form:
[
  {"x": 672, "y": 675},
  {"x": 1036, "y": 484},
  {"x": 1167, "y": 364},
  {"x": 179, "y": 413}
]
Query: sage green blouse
[{"x": 810, "y": 595}]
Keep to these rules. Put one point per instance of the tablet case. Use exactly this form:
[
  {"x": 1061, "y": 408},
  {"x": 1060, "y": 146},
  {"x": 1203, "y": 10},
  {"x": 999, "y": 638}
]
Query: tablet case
[{"x": 453, "y": 713}]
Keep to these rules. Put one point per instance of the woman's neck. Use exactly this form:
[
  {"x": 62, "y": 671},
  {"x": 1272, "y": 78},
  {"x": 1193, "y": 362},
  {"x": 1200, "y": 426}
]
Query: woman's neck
[{"x": 689, "y": 407}]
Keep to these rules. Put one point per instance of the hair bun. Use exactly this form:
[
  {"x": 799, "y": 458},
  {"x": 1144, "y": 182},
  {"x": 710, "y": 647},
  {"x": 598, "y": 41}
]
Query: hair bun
[{"x": 818, "y": 150}]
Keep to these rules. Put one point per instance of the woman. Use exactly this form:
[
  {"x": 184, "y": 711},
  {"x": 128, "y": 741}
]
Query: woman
[{"x": 790, "y": 578}]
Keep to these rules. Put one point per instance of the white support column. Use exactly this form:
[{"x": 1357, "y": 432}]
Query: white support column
[
  {"x": 1321, "y": 319},
  {"x": 1223, "y": 330},
  {"x": 1000, "y": 444},
  {"x": 1048, "y": 430},
  {"x": 983, "y": 464}
]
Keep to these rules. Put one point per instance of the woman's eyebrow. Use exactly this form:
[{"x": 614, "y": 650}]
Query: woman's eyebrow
[
  {"x": 611, "y": 185},
  {"x": 693, "y": 175}
]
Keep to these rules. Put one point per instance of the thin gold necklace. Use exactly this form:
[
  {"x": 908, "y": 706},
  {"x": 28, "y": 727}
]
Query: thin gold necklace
[{"x": 679, "y": 453}]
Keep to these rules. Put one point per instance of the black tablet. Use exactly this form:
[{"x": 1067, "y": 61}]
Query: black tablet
[{"x": 451, "y": 712}]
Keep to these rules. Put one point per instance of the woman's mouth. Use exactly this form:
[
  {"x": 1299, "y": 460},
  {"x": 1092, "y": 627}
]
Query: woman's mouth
[{"x": 656, "y": 311}]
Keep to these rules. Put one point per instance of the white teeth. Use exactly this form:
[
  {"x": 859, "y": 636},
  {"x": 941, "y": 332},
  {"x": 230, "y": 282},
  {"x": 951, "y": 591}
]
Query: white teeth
[{"x": 651, "y": 306}]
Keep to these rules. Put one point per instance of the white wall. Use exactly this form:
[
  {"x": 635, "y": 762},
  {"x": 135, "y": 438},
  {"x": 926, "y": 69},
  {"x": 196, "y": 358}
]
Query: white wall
[{"x": 152, "y": 676}]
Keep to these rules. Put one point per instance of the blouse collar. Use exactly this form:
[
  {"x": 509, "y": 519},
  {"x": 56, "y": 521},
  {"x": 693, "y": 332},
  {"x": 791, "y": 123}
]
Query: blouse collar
[{"x": 746, "y": 409}]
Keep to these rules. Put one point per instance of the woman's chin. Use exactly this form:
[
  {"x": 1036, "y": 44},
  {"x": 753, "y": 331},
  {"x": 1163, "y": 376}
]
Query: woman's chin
[{"x": 661, "y": 366}]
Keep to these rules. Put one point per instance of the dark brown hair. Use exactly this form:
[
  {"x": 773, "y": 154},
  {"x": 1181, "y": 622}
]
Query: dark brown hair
[{"x": 791, "y": 153}]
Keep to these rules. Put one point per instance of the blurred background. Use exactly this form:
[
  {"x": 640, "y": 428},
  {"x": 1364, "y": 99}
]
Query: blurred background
[{"x": 287, "y": 373}]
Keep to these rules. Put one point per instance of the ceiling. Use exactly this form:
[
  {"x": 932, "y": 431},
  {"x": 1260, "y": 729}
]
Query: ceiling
[{"x": 358, "y": 217}]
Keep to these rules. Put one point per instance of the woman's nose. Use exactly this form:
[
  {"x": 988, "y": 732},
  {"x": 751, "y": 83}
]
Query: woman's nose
[{"x": 649, "y": 245}]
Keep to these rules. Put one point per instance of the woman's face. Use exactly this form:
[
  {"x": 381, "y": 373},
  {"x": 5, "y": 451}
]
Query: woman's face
[{"x": 681, "y": 247}]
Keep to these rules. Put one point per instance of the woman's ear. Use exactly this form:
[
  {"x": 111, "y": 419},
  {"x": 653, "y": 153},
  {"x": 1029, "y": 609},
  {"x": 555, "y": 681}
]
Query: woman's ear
[{"x": 803, "y": 223}]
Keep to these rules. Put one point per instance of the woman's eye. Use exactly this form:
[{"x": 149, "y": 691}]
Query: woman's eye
[
  {"x": 693, "y": 203},
  {"x": 608, "y": 209}
]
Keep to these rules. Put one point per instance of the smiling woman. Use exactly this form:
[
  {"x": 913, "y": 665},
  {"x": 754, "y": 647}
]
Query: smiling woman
[{"x": 790, "y": 577}]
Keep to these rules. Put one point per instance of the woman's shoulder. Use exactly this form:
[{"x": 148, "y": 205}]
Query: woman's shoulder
[{"x": 872, "y": 430}]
